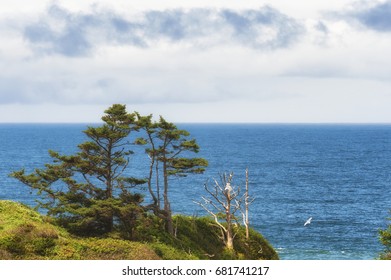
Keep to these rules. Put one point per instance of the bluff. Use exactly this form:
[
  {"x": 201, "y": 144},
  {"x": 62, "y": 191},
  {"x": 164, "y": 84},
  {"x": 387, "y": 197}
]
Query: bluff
[{"x": 26, "y": 234}]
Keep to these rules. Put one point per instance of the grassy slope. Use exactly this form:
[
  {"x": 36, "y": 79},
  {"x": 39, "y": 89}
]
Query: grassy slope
[
  {"x": 25, "y": 234},
  {"x": 201, "y": 237}
]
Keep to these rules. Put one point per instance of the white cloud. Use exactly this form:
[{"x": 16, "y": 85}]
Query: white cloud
[
  {"x": 374, "y": 15},
  {"x": 196, "y": 61},
  {"x": 60, "y": 31}
]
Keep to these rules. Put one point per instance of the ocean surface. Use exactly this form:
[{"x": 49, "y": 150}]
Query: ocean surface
[{"x": 340, "y": 175}]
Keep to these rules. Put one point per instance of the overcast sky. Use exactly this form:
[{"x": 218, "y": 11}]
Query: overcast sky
[{"x": 196, "y": 61}]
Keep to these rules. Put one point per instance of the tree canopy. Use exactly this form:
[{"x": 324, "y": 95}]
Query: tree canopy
[
  {"x": 90, "y": 192},
  {"x": 87, "y": 191},
  {"x": 165, "y": 146}
]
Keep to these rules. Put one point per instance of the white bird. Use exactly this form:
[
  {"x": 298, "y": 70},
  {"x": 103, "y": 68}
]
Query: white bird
[
  {"x": 308, "y": 221},
  {"x": 228, "y": 188}
]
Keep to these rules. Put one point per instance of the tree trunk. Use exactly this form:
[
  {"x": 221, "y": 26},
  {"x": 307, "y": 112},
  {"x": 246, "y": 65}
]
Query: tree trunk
[
  {"x": 109, "y": 186},
  {"x": 229, "y": 235},
  {"x": 154, "y": 198},
  {"x": 167, "y": 208},
  {"x": 230, "y": 240},
  {"x": 157, "y": 185},
  {"x": 246, "y": 205}
]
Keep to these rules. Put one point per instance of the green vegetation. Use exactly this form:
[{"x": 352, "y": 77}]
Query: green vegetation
[
  {"x": 94, "y": 211},
  {"x": 25, "y": 234},
  {"x": 89, "y": 194},
  {"x": 165, "y": 144},
  {"x": 88, "y": 191},
  {"x": 385, "y": 238}
]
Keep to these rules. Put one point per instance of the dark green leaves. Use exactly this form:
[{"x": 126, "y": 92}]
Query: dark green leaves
[
  {"x": 86, "y": 189},
  {"x": 91, "y": 189},
  {"x": 184, "y": 166}
]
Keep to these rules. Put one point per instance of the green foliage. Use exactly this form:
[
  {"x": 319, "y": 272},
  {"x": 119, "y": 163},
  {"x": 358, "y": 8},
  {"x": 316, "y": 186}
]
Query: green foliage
[
  {"x": 183, "y": 166},
  {"x": 152, "y": 229},
  {"x": 87, "y": 191},
  {"x": 88, "y": 195},
  {"x": 200, "y": 235},
  {"x": 257, "y": 247},
  {"x": 102, "y": 249},
  {"x": 25, "y": 234},
  {"x": 167, "y": 252},
  {"x": 173, "y": 142},
  {"x": 200, "y": 238},
  {"x": 169, "y": 150},
  {"x": 385, "y": 239}
]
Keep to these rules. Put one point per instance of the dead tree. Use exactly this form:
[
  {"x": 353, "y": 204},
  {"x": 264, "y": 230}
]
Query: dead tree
[
  {"x": 222, "y": 204},
  {"x": 247, "y": 201}
]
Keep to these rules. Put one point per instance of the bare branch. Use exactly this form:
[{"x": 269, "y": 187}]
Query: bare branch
[
  {"x": 213, "y": 214},
  {"x": 225, "y": 199}
]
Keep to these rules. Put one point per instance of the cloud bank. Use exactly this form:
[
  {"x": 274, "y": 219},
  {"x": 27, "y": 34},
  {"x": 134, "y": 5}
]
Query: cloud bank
[
  {"x": 200, "y": 62},
  {"x": 78, "y": 34}
]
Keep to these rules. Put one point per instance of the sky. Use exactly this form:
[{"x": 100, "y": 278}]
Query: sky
[{"x": 254, "y": 61}]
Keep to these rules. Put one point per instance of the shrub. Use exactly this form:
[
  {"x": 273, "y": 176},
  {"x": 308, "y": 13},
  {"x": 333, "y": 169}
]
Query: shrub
[{"x": 385, "y": 239}]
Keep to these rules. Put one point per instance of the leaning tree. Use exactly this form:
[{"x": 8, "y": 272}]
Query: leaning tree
[{"x": 169, "y": 149}]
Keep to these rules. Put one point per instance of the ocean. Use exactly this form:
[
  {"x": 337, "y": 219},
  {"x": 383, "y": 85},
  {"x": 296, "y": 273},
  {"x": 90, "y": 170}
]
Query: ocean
[{"x": 337, "y": 174}]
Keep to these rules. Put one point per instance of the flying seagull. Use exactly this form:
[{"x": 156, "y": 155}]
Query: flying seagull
[{"x": 308, "y": 221}]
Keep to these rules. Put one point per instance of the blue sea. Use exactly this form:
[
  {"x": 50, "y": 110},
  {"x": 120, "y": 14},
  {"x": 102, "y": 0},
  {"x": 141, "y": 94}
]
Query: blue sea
[{"x": 340, "y": 175}]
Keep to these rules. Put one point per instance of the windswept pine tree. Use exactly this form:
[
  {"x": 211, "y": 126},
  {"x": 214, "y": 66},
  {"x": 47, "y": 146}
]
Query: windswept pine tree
[
  {"x": 89, "y": 191},
  {"x": 169, "y": 150}
]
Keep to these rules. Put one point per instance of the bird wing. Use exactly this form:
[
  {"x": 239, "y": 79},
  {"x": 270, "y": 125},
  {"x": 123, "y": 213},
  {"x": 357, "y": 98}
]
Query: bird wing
[{"x": 308, "y": 221}]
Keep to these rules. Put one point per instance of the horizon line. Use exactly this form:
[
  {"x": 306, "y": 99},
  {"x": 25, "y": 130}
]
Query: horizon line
[{"x": 213, "y": 123}]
